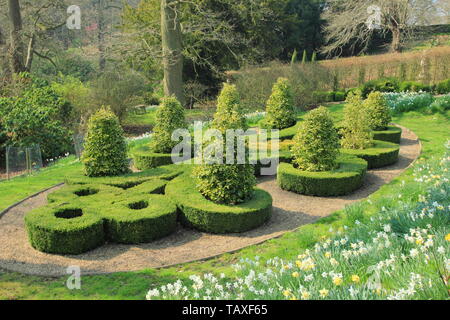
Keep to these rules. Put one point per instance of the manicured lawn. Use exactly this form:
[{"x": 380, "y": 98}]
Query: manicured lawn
[{"x": 432, "y": 129}]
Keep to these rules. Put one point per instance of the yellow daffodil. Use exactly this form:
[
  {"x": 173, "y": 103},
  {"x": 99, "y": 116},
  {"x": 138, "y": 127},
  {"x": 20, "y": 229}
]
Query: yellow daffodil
[
  {"x": 328, "y": 255},
  {"x": 324, "y": 293},
  {"x": 286, "y": 293},
  {"x": 298, "y": 263},
  {"x": 305, "y": 295},
  {"x": 293, "y": 298},
  {"x": 337, "y": 281},
  {"x": 355, "y": 278},
  {"x": 295, "y": 274},
  {"x": 447, "y": 237},
  {"x": 286, "y": 267}
]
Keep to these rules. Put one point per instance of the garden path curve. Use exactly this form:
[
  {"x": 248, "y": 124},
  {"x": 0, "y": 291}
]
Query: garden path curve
[{"x": 290, "y": 211}]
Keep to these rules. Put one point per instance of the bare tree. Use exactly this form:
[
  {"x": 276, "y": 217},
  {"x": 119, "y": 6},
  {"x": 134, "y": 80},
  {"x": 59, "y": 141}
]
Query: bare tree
[{"x": 352, "y": 23}]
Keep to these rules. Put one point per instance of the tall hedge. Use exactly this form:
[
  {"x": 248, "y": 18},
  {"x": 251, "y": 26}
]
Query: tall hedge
[
  {"x": 229, "y": 114},
  {"x": 378, "y": 112},
  {"x": 356, "y": 131},
  {"x": 280, "y": 106},
  {"x": 105, "y": 149},
  {"x": 226, "y": 183},
  {"x": 169, "y": 117},
  {"x": 316, "y": 144}
]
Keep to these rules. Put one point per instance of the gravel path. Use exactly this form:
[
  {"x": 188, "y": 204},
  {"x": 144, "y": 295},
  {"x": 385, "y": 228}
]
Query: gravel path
[{"x": 290, "y": 212}]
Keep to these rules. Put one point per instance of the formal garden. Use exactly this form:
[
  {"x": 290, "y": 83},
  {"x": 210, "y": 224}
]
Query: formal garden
[{"x": 190, "y": 155}]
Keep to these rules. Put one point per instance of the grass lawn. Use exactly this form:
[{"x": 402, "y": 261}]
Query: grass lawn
[{"x": 433, "y": 131}]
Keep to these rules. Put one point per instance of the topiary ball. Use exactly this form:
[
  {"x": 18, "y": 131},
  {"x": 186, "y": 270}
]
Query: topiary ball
[
  {"x": 378, "y": 113},
  {"x": 280, "y": 106},
  {"x": 169, "y": 117},
  {"x": 105, "y": 149},
  {"x": 316, "y": 144}
]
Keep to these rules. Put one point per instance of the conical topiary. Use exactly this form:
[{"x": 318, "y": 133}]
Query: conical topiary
[
  {"x": 316, "y": 144},
  {"x": 356, "y": 132},
  {"x": 280, "y": 106},
  {"x": 379, "y": 115},
  {"x": 169, "y": 117},
  {"x": 226, "y": 183},
  {"x": 105, "y": 149}
]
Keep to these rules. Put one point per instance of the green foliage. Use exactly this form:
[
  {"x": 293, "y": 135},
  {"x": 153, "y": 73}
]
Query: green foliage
[
  {"x": 328, "y": 96},
  {"x": 356, "y": 132},
  {"x": 391, "y": 134},
  {"x": 440, "y": 104},
  {"x": 229, "y": 114},
  {"x": 294, "y": 57},
  {"x": 378, "y": 112},
  {"x": 305, "y": 57},
  {"x": 105, "y": 149},
  {"x": 316, "y": 144},
  {"x": 413, "y": 86},
  {"x": 443, "y": 87},
  {"x": 280, "y": 106},
  {"x": 346, "y": 178},
  {"x": 205, "y": 215},
  {"x": 37, "y": 116},
  {"x": 381, "y": 154},
  {"x": 169, "y": 117},
  {"x": 64, "y": 229},
  {"x": 381, "y": 85}
]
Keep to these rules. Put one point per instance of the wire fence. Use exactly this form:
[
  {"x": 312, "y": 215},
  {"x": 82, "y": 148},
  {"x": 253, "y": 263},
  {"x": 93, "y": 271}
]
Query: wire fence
[{"x": 22, "y": 160}]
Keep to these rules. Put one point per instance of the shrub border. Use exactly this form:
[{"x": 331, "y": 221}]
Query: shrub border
[{"x": 344, "y": 180}]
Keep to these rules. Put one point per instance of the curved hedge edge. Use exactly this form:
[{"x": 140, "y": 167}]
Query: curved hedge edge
[
  {"x": 199, "y": 213},
  {"x": 288, "y": 133},
  {"x": 71, "y": 234},
  {"x": 382, "y": 154},
  {"x": 140, "y": 219},
  {"x": 87, "y": 193},
  {"x": 348, "y": 178},
  {"x": 148, "y": 160},
  {"x": 392, "y": 134},
  {"x": 5, "y": 211}
]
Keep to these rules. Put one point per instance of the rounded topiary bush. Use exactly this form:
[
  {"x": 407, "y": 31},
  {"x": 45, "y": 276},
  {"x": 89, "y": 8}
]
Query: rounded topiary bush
[
  {"x": 356, "y": 132},
  {"x": 169, "y": 117},
  {"x": 140, "y": 219},
  {"x": 390, "y": 134},
  {"x": 379, "y": 155},
  {"x": 280, "y": 106},
  {"x": 202, "y": 214},
  {"x": 347, "y": 177},
  {"x": 316, "y": 144},
  {"x": 68, "y": 229},
  {"x": 379, "y": 115},
  {"x": 105, "y": 149}
]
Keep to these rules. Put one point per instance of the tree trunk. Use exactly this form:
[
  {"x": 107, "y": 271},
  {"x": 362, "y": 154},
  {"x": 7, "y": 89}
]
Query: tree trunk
[
  {"x": 172, "y": 51},
  {"x": 396, "y": 38},
  {"x": 101, "y": 34},
  {"x": 16, "y": 48}
]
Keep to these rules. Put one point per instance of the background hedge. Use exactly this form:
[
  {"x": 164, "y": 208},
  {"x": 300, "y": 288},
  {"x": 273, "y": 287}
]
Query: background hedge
[
  {"x": 381, "y": 154},
  {"x": 348, "y": 177},
  {"x": 204, "y": 215},
  {"x": 52, "y": 234}
]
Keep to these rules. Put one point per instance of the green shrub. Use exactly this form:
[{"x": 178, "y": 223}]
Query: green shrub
[
  {"x": 316, "y": 144},
  {"x": 381, "y": 154},
  {"x": 356, "y": 132},
  {"x": 391, "y": 134},
  {"x": 382, "y": 85},
  {"x": 144, "y": 160},
  {"x": 38, "y": 116},
  {"x": 443, "y": 87},
  {"x": 202, "y": 214},
  {"x": 83, "y": 194},
  {"x": 67, "y": 229},
  {"x": 169, "y": 117},
  {"x": 323, "y": 96},
  {"x": 346, "y": 178},
  {"x": 220, "y": 182},
  {"x": 413, "y": 86},
  {"x": 378, "y": 112},
  {"x": 229, "y": 114},
  {"x": 280, "y": 106},
  {"x": 440, "y": 104},
  {"x": 339, "y": 96},
  {"x": 140, "y": 219},
  {"x": 105, "y": 149}
]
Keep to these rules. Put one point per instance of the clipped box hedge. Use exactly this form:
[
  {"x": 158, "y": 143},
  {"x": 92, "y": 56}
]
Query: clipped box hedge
[
  {"x": 140, "y": 219},
  {"x": 202, "y": 214},
  {"x": 144, "y": 160},
  {"x": 83, "y": 193},
  {"x": 68, "y": 229},
  {"x": 381, "y": 154},
  {"x": 391, "y": 134},
  {"x": 348, "y": 177}
]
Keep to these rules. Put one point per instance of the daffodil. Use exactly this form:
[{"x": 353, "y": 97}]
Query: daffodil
[
  {"x": 355, "y": 278},
  {"x": 447, "y": 237},
  {"x": 286, "y": 293},
  {"x": 337, "y": 281},
  {"x": 324, "y": 293},
  {"x": 295, "y": 274},
  {"x": 305, "y": 295}
]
